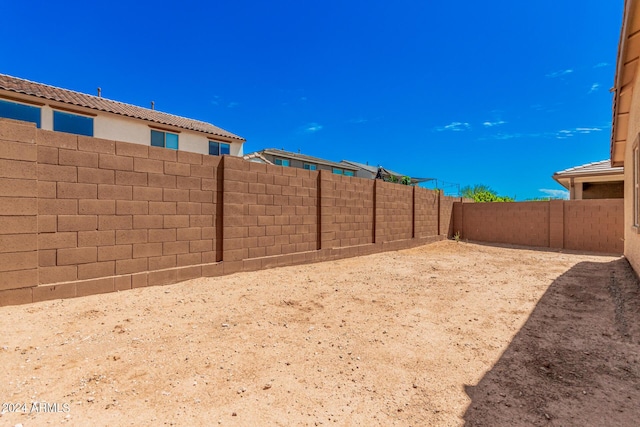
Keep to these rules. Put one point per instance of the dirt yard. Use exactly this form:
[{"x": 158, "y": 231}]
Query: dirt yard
[{"x": 440, "y": 335}]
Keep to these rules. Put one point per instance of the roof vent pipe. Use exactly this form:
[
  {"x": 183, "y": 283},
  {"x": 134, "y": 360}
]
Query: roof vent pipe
[
  {"x": 153, "y": 105},
  {"x": 99, "y": 92}
]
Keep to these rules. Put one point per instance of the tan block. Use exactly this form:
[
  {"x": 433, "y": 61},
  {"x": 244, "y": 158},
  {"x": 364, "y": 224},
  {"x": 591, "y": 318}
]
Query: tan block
[
  {"x": 162, "y": 181},
  {"x": 171, "y": 168},
  {"x": 18, "y": 242},
  {"x": 125, "y": 237},
  {"x": 132, "y": 150},
  {"x": 148, "y": 221},
  {"x": 148, "y": 165},
  {"x": 57, "y": 207},
  {"x": 127, "y": 266},
  {"x": 16, "y": 296},
  {"x": 188, "y": 273},
  {"x": 147, "y": 193},
  {"x": 122, "y": 283},
  {"x": 131, "y": 178},
  {"x": 96, "y": 269},
  {"x": 173, "y": 248},
  {"x": 115, "y": 192},
  {"x": 18, "y": 206},
  {"x": 162, "y": 208},
  {"x": 16, "y": 130},
  {"x": 176, "y": 221},
  {"x": 57, "y": 139},
  {"x": 72, "y": 256},
  {"x": 77, "y": 222},
  {"x": 95, "y": 176},
  {"x": 200, "y": 221},
  {"x": 212, "y": 270},
  {"x": 188, "y": 157},
  {"x": 57, "y": 274},
  {"x": 77, "y": 158},
  {"x": 139, "y": 280},
  {"x": 18, "y": 187},
  {"x": 18, "y": 279},
  {"x": 96, "y": 238},
  {"x": 18, "y": 224},
  {"x": 201, "y": 246},
  {"x": 96, "y": 145},
  {"x": 55, "y": 173},
  {"x": 115, "y": 222},
  {"x": 188, "y": 182},
  {"x": 160, "y": 153},
  {"x": 47, "y": 258},
  {"x": 57, "y": 240},
  {"x": 166, "y": 235},
  {"x": 111, "y": 253},
  {"x": 18, "y": 169},
  {"x": 202, "y": 171},
  {"x": 189, "y": 259},
  {"x": 47, "y": 155},
  {"x": 46, "y": 189},
  {"x": 96, "y": 207},
  {"x": 165, "y": 277},
  {"x": 18, "y": 151},
  {"x": 108, "y": 161},
  {"x": 127, "y": 207},
  {"x": 70, "y": 190},
  {"x": 146, "y": 250},
  {"x": 162, "y": 262},
  {"x": 93, "y": 287},
  {"x": 189, "y": 233},
  {"x": 189, "y": 208},
  {"x": 12, "y": 261},
  {"x": 51, "y": 292},
  {"x": 201, "y": 196},
  {"x": 175, "y": 195}
]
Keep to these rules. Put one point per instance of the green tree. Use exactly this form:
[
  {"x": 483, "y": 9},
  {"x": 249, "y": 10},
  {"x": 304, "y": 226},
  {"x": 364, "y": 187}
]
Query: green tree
[{"x": 483, "y": 193}]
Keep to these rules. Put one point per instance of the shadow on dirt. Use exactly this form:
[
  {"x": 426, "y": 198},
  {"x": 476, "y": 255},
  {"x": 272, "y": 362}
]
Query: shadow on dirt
[{"x": 576, "y": 361}]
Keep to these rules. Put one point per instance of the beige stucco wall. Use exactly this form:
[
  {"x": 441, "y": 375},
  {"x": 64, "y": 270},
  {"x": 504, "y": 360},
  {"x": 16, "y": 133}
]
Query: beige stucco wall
[{"x": 631, "y": 236}]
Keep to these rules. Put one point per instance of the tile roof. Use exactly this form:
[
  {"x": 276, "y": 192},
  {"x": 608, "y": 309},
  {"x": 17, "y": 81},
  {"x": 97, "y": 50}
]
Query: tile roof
[
  {"x": 602, "y": 167},
  {"x": 14, "y": 84},
  {"x": 305, "y": 158}
]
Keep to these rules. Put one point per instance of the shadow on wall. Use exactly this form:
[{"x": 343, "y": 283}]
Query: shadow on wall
[{"x": 576, "y": 361}]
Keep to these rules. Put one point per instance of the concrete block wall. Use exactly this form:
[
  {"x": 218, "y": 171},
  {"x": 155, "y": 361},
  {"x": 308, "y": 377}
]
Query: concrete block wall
[
  {"x": 81, "y": 215},
  {"x": 346, "y": 210},
  {"x": 426, "y": 213},
  {"x": 394, "y": 212},
  {"x": 594, "y": 225},
  {"x": 586, "y": 225}
]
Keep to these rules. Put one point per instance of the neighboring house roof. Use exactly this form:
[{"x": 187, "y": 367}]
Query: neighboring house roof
[
  {"x": 601, "y": 171},
  {"x": 383, "y": 172},
  {"x": 304, "y": 158},
  {"x": 14, "y": 84},
  {"x": 626, "y": 69}
]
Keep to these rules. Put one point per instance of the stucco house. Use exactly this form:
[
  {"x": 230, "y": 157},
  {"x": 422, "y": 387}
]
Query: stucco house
[
  {"x": 597, "y": 180},
  {"x": 625, "y": 129},
  {"x": 64, "y": 110}
]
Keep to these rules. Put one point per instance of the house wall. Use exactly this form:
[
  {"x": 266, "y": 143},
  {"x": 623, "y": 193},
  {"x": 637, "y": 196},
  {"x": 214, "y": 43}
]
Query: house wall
[
  {"x": 587, "y": 225},
  {"x": 81, "y": 215},
  {"x": 120, "y": 128},
  {"x": 631, "y": 235}
]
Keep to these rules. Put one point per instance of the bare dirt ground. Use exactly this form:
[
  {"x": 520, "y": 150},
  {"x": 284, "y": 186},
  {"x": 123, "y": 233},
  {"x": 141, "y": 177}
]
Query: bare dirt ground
[{"x": 441, "y": 335}]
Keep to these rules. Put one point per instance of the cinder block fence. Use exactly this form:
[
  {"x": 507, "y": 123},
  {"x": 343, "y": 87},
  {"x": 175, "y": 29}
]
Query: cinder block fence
[{"x": 81, "y": 215}]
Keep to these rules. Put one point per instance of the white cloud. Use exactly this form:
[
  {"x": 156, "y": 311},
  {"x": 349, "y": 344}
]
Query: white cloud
[
  {"x": 601, "y": 64},
  {"x": 560, "y": 73},
  {"x": 233, "y": 104},
  {"x": 456, "y": 127},
  {"x": 492, "y": 124},
  {"x": 588, "y": 130},
  {"x": 555, "y": 194},
  {"x": 312, "y": 128},
  {"x": 594, "y": 87}
]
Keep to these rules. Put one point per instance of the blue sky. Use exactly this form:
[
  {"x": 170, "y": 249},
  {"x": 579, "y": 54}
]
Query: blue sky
[{"x": 501, "y": 92}]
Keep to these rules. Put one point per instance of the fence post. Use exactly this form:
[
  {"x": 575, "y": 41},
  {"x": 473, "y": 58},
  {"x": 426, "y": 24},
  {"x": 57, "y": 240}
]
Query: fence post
[{"x": 556, "y": 224}]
